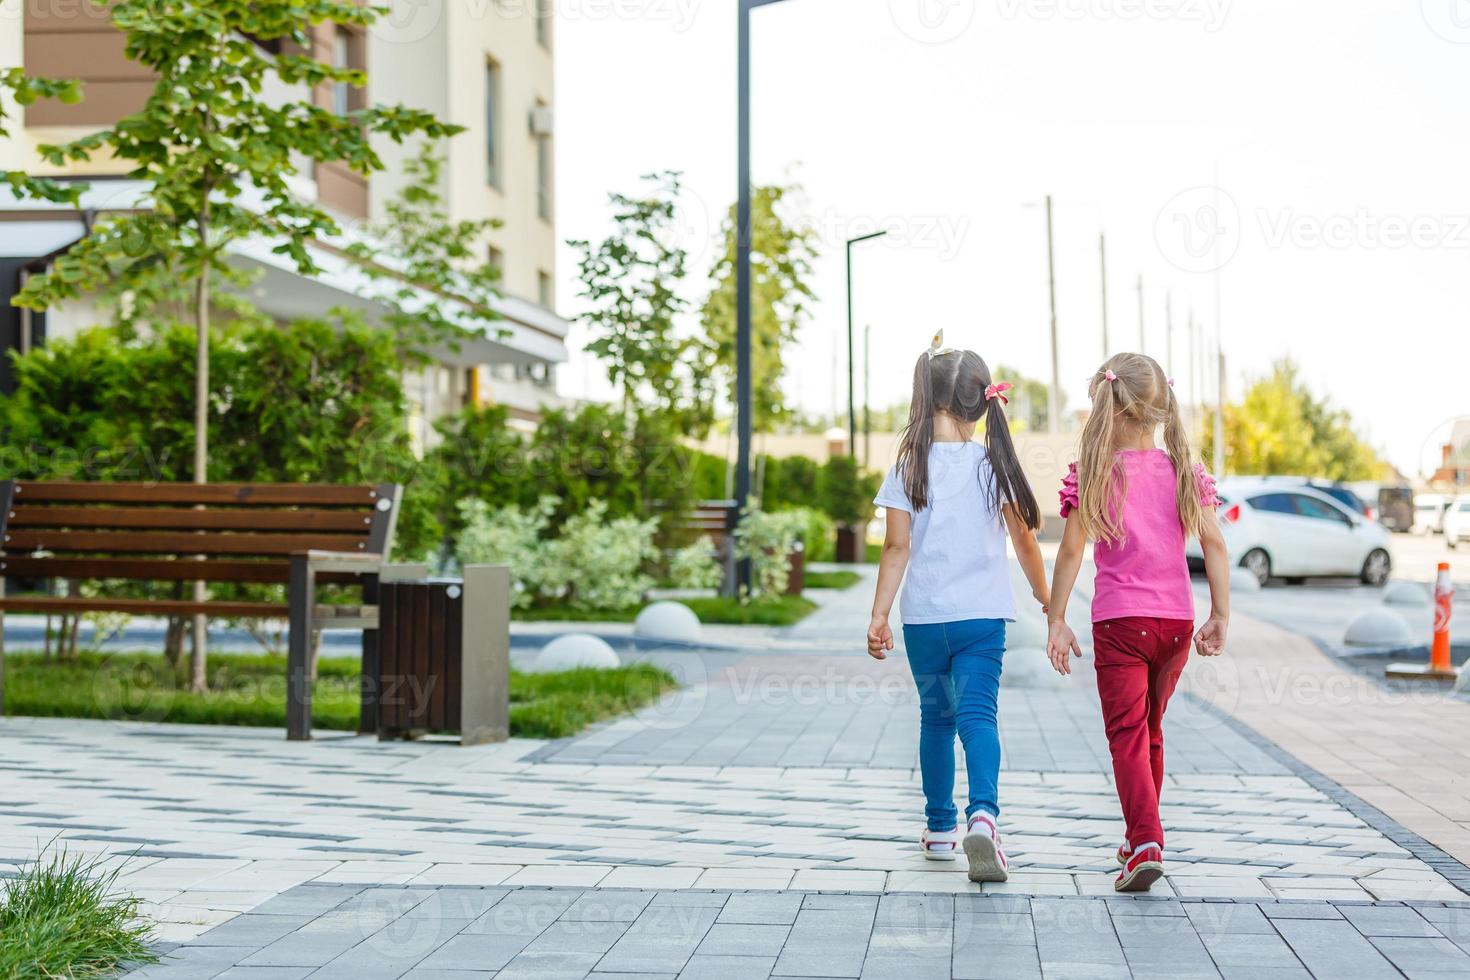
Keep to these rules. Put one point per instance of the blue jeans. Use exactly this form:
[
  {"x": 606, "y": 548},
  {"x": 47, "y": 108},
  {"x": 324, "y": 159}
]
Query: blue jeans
[{"x": 956, "y": 667}]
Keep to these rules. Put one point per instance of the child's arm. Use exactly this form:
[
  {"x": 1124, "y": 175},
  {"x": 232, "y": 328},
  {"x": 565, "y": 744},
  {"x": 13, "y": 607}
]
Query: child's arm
[
  {"x": 1210, "y": 641},
  {"x": 1060, "y": 639},
  {"x": 1028, "y": 553},
  {"x": 891, "y": 564}
]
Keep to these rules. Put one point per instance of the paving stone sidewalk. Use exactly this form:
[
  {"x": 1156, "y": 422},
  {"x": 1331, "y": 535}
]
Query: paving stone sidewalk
[{"x": 330, "y": 932}]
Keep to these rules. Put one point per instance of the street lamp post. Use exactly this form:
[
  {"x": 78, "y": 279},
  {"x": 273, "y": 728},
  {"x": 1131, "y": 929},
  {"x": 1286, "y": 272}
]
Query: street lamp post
[
  {"x": 1054, "y": 408},
  {"x": 1102, "y": 252},
  {"x": 744, "y": 420},
  {"x": 851, "y": 398}
]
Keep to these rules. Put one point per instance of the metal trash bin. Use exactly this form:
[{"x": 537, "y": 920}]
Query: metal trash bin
[{"x": 444, "y": 657}]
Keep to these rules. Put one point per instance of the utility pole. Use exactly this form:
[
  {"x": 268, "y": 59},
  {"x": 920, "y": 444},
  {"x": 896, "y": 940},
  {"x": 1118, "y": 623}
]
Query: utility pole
[
  {"x": 867, "y": 401},
  {"x": 1220, "y": 454},
  {"x": 851, "y": 399},
  {"x": 744, "y": 423},
  {"x": 1054, "y": 407},
  {"x": 1102, "y": 253},
  {"x": 1142, "y": 341},
  {"x": 1169, "y": 334}
]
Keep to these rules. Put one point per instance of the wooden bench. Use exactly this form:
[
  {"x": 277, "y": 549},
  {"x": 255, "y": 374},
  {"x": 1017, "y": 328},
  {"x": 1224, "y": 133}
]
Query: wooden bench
[{"x": 300, "y": 535}]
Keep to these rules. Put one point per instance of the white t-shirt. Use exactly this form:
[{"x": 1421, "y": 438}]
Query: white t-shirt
[{"x": 958, "y": 568}]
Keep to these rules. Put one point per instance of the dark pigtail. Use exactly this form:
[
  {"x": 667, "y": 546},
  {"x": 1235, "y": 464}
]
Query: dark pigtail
[
  {"x": 1011, "y": 485},
  {"x": 918, "y": 436}
]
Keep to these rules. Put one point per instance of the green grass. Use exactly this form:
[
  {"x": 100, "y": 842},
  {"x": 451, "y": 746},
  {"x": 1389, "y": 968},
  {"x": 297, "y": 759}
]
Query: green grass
[
  {"x": 61, "y": 918},
  {"x": 832, "y": 580},
  {"x": 719, "y": 610},
  {"x": 772, "y": 611},
  {"x": 251, "y": 690}
]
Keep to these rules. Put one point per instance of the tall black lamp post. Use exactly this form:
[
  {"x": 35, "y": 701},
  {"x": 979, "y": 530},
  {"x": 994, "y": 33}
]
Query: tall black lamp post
[{"x": 744, "y": 411}]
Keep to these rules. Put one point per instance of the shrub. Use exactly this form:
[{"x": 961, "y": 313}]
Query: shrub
[
  {"x": 511, "y": 536},
  {"x": 601, "y": 562},
  {"x": 767, "y": 539},
  {"x": 696, "y": 566},
  {"x": 846, "y": 492}
]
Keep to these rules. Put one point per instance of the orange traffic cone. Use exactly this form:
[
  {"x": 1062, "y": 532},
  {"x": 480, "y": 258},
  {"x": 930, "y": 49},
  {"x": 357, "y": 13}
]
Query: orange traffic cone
[{"x": 1439, "y": 667}]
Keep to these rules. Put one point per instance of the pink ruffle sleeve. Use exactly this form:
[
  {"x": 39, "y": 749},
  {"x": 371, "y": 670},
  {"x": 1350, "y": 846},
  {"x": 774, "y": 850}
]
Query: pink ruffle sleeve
[
  {"x": 1208, "y": 497},
  {"x": 1069, "y": 492}
]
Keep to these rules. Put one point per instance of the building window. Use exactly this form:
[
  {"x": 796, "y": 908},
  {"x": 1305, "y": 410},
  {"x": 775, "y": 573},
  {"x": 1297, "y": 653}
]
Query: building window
[
  {"x": 545, "y": 12},
  {"x": 345, "y": 54},
  {"x": 492, "y": 123},
  {"x": 545, "y": 166},
  {"x": 545, "y": 290},
  {"x": 496, "y": 258}
]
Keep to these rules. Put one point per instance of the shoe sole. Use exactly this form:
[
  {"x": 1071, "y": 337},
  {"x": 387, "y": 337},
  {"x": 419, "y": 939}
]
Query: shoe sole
[
  {"x": 949, "y": 855},
  {"x": 1142, "y": 878},
  {"x": 984, "y": 859}
]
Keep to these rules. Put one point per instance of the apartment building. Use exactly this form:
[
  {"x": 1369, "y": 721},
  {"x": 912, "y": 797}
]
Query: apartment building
[{"x": 486, "y": 65}]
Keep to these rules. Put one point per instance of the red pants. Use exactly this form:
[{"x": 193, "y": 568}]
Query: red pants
[{"x": 1138, "y": 663}]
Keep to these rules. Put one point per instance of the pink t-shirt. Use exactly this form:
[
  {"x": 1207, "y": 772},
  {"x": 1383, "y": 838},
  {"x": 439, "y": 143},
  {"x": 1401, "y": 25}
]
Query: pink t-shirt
[{"x": 1145, "y": 574}]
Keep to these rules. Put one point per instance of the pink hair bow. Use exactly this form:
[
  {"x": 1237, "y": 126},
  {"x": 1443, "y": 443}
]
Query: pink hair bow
[
  {"x": 999, "y": 391},
  {"x": 1171, "y": 382},
  {"x": 1110, "y": 375}
]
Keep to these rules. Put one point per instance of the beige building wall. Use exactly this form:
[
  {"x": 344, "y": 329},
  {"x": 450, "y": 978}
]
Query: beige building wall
[{"x": 437, "y": 57}]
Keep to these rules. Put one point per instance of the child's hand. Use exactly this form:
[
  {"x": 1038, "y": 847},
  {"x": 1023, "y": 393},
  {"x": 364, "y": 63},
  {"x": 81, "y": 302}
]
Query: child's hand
[
  {"x": 1042, "y": 596},
  {"x": 1210, "y": 640},
  {"x": 880, "y": 637},
  {"x": 1060, "y": 641}
]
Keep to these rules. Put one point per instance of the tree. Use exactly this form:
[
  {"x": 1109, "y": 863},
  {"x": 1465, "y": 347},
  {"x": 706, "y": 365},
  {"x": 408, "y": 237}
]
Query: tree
[
  {"x": 781, "y": 257},
  {"x": 1281, "y": 427},
  {"x": 26, "y": 90},
  {"x": 207, "y": 135},
  {"x": 438, "y": 256},
  {"x": 631, "y": 280}
]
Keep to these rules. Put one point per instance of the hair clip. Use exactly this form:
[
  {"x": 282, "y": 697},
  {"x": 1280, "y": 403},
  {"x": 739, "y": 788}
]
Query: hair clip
[
  {"x": 1171, "y": 382},
  {"x": 999, "y": 391},
  {"x": 1110, "y": 375},
  {"x": 937, "y": 348}
]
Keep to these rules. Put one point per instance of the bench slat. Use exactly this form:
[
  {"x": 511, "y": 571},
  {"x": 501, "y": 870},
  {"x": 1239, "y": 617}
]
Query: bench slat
[
  {"x": 125, "y": 542},
  {"x": 142, "y": 607},
  {"x": 23, "y": 517},
  {"x": 269, "y": 494},
  {"x": 266, "y": 570}
]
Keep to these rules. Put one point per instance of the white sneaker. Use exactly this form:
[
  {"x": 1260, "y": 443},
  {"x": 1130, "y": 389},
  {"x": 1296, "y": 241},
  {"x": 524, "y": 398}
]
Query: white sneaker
[
  {"x": 982, "y": 847},
  {"x": 940, "y": 845}
]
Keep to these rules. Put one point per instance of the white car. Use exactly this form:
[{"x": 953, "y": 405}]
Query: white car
[
  {"x": 1429, "y": 511},
  {"x": 1457, "y": 521},
  {"x": 1296, "y": 532}
]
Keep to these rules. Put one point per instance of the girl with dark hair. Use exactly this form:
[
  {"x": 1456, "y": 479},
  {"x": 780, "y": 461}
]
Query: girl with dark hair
[{"x": 950, "y": 503}]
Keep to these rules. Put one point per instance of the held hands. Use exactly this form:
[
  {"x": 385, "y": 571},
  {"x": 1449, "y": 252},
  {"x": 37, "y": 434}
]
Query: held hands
[
  {"x": 1060, "y": 641},
  {"x": 1210, "y": 640},
  {"x": 1042, "y": 596},
  {"x": 880, "y": 637}
]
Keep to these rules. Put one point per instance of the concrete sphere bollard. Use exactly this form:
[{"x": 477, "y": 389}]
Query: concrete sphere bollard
[
  {"x": 1243, "y": 580},
  {"x": 1028, "y": 667},
  {"x": 1414, "y": 594},
  {"x": 667, "y": 620},
  {"x": 1378, "y": 628},
  {"x": 573, "y": 650}
]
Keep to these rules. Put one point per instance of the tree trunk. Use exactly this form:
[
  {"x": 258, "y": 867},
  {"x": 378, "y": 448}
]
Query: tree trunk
[
  {"x": 198, "y": 667},
  {"x": 173, "y": 639}
]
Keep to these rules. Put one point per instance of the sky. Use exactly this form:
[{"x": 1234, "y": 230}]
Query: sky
[{"x": 1304, "y": 158}]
